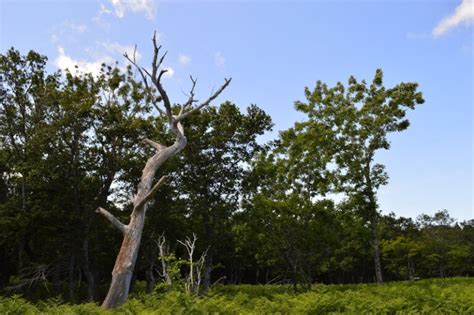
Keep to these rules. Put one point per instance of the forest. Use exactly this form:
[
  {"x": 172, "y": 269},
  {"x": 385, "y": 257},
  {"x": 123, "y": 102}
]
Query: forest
[{"x": 229, "y": 213}]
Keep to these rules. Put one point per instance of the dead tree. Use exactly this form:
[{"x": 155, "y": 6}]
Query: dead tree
[
  {"x": 193, "y": 280},
  {"x": 164, "y": 255},
  {"x": 132, "y": 232}
]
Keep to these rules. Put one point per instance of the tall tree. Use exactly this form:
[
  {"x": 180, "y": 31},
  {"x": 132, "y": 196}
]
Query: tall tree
[
  {"x": 25, "y": 136},
  {"x": 215, "y": 163},
  {"x": 289, "y": 227},
  {"x": 345, "y": 127},
  {"x": 132, "y": 232}
]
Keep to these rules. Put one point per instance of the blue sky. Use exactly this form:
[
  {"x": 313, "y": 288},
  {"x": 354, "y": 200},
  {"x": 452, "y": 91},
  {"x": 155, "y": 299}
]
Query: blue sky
[{"x": 273, "y": 49}]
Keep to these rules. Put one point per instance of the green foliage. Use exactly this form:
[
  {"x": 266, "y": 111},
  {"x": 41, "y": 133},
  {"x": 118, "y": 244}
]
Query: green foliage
[
  {"x": 64, "y": 140},
  {"x": 70, "y": 143},
  {"x": 437, "y": 296},
  {"x": 334, "y": 148}
]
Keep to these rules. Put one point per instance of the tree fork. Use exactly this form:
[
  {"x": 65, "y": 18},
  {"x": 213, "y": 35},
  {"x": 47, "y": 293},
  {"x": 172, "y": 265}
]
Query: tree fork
[{"x": 132, "y": 233}]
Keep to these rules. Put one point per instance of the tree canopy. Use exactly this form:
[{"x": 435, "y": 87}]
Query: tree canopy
[{"x": 264, "y": 212}]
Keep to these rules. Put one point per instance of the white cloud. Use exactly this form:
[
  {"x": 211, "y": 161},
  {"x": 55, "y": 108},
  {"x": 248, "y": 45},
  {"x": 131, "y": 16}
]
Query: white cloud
[
  {"x": 184, "y": 59},
  {"x": 99, "y": 17},
  {"x": 219, "y": 59},
  {"x": 119, "y": 49},
  {"x": 104, "y": 9},
  {"x": 66, "y": 62},
  {"x": 169, "y": 73},
  {"x": 148, "y": 7},
  {"x": 119, "y": 7},
  {"x": 464, "y": 13}
]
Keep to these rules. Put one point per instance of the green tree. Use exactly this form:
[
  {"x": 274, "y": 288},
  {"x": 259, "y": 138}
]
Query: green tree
[
  {"x": 214, "y": 165},
  {"x": 445, "y": 251},
  {"x": 334, "y": 148},
  {"x": 60, "y": 138},
  {"x": 206, "y": 181},
  {"x": 290, "y": 231}
]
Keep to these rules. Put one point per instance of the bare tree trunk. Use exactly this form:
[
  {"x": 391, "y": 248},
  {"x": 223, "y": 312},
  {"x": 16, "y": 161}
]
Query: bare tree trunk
[
  {"x": 206, "y": 282},
  {"x": 132, "y": 233},
  {"x": 209, "y": 230},
  {"x": 87, "y": 271},
  {"x": 373, "y": 220},
  {"x": 125, "y": 262},
  {"x": 376, "y": 248},
  {"x": 164, "y": 254},
  {"x": 194, "y": 278},
  {"x": 71, "y": 286},
  {"x": 150, "y": 278}
]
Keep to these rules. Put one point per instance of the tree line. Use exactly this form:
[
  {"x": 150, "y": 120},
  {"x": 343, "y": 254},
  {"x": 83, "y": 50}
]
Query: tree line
[{"x": 71, "y": 145}]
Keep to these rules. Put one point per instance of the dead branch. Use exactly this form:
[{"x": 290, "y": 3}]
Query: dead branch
[
  {"x": 152, "y": 192},
  {"x": 207, "y": 102},
  {"x": 164, "y": 253},
  {"x": 30, "y": 276},
  {"x": 158, "y": 147},
  {"x": 193, "y": 280},
  {"x": 158, "y": 97},
  {"x": 112, "y": 219},
  {"x": 155, "y": 77}
]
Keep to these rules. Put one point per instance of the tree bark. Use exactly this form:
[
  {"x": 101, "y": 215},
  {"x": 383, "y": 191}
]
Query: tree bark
[
  {"x": 372, "y": 214},
  {"x": 125, "y": 262},
  {"x": 71, "y": 285},
  {"x": 4, "y": 267},
  {"x": 87, "y": 271},
  {"x": 132, "y": 233},
  {"x": 150, "y": 278},
  {"x": 376, "y": 248},
  {"x": 206, "y": 282},
  {"x": 209, "y": 230}
]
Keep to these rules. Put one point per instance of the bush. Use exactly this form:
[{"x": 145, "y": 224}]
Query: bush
[{"x": 436, "y": 296}]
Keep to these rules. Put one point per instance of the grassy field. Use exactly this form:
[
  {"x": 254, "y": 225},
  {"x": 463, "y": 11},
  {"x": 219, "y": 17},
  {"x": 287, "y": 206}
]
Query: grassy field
[{"x": 435, "y": 296}]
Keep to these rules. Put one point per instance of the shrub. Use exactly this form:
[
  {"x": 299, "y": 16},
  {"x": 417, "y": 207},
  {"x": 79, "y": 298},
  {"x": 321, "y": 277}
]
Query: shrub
[{"x": 436, "y": 296}]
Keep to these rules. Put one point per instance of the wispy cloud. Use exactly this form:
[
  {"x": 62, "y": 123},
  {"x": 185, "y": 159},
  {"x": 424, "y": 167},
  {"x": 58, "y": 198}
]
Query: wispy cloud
[
  {"x": 78, "y": 28},
  {"x": 119, "y": 49},
  {"x": 120, "y": 7},
  {"x": 184, "y": 59},
  {"x": 104, "y": 9},
  {"x": 219, "y": 59},
  {"x": 100, "y": 20},
  {"x": 68, "y": 29},
  {"x": 464, "y": 13}
]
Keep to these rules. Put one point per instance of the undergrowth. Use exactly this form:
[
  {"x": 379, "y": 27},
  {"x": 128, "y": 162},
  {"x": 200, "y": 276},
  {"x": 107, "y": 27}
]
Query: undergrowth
[{"x": 434, "y": 296}]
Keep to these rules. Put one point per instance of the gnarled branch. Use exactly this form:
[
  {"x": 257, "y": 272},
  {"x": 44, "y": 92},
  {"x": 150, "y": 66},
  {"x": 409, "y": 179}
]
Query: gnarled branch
[
  {"x": 143, "y": 72},
  {"x": 207, "y": 102},
  {"x": 152, "y": 192},
  {"x": 191, "y": 99},
  {"x": 109, "y": 216},
  {"x": 155, "y": 145}
]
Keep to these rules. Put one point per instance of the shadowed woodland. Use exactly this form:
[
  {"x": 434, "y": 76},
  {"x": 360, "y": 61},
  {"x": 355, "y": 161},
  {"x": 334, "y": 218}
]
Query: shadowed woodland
[{"x": 226, "y": 207}]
